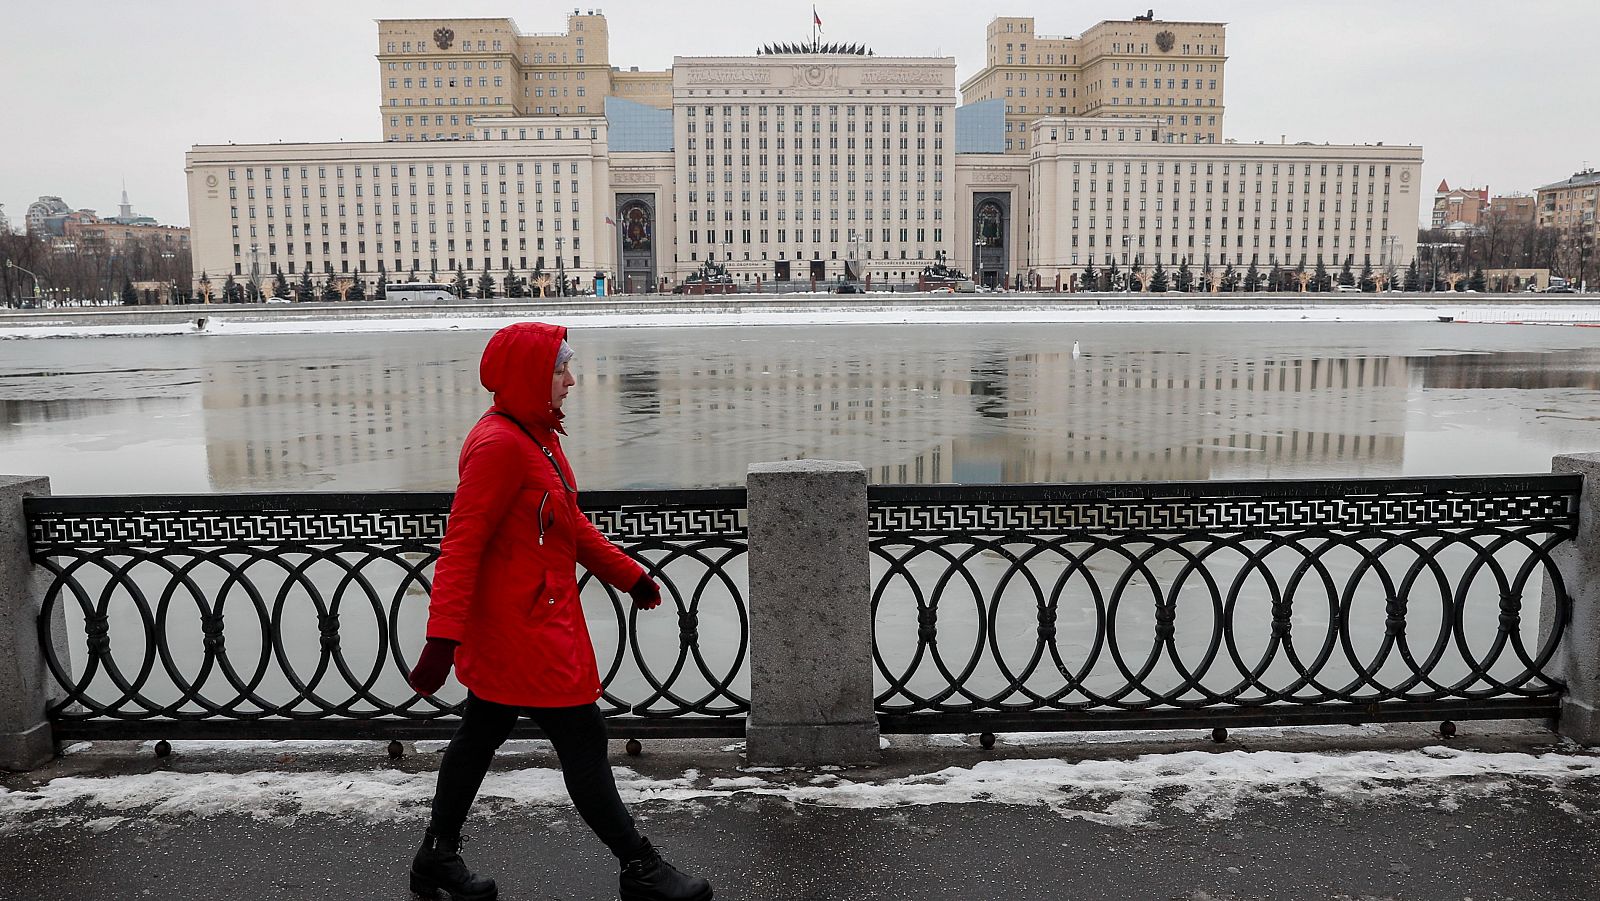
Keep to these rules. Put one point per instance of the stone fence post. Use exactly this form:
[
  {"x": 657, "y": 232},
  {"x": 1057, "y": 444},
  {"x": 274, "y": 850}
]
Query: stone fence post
[
  {"x": 1578, "y": 660},
  {"x": 25, "y": 739},
  {"x": 810, "y": 616}
]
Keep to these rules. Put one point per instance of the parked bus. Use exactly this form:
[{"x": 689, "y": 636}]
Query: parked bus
[{"x": 418, "y": 292}]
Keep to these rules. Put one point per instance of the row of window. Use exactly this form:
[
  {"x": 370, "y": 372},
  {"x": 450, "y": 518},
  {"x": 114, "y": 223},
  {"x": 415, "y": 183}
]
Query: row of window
[
  {"x": 441, "y": 67},
  {"x": 440, "y": 101},
  {"x": 816, "y": 109},
  {"x": 865, "y": 235}
]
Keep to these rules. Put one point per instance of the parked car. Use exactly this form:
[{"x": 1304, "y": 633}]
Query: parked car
[
  {"x": 1347, "y": 289},
  {"x": 1560, "y": 289},
  {"x": 848, "y": 288}
]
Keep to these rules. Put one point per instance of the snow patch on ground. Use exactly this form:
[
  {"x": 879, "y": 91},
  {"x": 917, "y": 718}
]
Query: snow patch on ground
[
  {"x": 1125, "y": 793},
  {"x": 1163, "y": 736}
]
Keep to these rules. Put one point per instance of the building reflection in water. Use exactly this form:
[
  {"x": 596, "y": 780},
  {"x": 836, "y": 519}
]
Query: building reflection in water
[{"x": 657, "y": 415}]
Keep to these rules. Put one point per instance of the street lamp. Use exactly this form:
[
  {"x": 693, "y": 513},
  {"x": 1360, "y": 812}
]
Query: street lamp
[
  {"x": 1127, "y": 278},
  {"x": 561, "y": 272},
  {"x": 38, "y": 292}
]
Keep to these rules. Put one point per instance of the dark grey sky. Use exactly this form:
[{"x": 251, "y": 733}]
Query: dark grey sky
[{"x": 1501, "y": 92}]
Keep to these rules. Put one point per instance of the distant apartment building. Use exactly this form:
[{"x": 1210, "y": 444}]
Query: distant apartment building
[
  {"x": 1139, "y": 68},
  {"x": 1514, "y": 209},
  {"x": 1571, "y": 203},
  {"x": 67, "y": 229},
  {"x": 438, "y": 76},
  {"x": 1459, "y": 208}
]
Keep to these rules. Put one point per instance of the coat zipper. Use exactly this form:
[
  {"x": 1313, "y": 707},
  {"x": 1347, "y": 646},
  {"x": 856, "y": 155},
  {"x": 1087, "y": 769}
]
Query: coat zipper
[{"x": 542, "y": 501}]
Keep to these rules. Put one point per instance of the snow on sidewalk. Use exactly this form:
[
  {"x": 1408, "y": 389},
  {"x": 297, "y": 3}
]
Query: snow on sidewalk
[{"x": 1125, "y": 793}]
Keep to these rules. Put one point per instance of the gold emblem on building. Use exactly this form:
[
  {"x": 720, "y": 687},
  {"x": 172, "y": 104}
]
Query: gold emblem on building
[{"x": 444, "y": 37}]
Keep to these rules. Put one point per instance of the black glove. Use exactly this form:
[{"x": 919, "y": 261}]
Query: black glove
[{"x": 646, "y": 594}]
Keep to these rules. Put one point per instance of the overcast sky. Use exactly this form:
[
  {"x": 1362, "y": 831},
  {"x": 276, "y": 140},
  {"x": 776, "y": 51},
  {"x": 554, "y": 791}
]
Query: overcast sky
[{"x": 1497, "y": 92}]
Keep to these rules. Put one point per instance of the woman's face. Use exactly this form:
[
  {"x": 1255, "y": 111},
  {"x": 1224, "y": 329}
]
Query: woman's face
[{"x": 561, "y": 382}]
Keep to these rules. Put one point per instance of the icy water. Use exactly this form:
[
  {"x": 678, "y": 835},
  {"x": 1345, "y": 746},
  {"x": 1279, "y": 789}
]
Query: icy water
[{"x": 916, "y": 404}]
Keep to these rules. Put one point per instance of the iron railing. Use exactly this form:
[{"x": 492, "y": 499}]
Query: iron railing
[
  {"x": 293, "y": 615},
  {"x": 1050, "y": 607},
  {"x": 996, "y": 608}
]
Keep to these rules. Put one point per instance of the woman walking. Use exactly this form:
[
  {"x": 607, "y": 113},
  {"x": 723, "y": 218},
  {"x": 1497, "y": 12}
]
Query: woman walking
[{"x": 505, "y": 613}]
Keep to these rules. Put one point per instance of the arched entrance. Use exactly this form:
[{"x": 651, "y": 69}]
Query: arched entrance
[
  {"x": 636, "y": 230},
  {"x": 991, "y": 252}
]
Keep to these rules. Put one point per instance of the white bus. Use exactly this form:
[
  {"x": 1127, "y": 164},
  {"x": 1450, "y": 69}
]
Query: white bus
[{"x": 418, "y": 292}]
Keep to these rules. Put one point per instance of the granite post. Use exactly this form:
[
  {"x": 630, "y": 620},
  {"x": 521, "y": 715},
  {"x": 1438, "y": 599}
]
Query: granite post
[
  {"x": 25, "y": 739},
  {"x": 810, "y": 616},
  {"x": 1578, "y": 659}
]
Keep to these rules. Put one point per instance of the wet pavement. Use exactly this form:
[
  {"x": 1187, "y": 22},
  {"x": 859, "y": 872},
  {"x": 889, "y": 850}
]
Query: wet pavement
[{"x": 1513, "y": 840}]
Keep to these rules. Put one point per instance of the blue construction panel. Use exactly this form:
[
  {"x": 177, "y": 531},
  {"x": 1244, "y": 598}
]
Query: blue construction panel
[
  {"x": 981, "y": 127},
  {"x": 637, "y": 127}
]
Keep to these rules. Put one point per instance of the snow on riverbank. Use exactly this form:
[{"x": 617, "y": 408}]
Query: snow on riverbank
[
  {"x": 232, "y": 322},
  {"x": 1126, "y": 793}
]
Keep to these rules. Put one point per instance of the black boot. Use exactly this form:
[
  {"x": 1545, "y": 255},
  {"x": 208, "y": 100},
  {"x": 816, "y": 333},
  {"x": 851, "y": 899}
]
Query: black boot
[
  {"x": 646, "y": 877},
  {"x": 438, "y": 867}
]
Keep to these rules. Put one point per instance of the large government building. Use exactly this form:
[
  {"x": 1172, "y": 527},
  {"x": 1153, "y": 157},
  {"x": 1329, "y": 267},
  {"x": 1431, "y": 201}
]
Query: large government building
[{"x": 506, "y": 151}]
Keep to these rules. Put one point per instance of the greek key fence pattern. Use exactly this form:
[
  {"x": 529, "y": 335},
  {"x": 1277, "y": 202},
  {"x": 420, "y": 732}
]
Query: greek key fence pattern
[
  {"x": 300, "y": 615},
  {"x": 1095, "y": 606}
]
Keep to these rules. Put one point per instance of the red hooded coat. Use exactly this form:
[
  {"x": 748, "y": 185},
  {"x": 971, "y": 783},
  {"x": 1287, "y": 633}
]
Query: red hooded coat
[{"x": 505, "y": 585}]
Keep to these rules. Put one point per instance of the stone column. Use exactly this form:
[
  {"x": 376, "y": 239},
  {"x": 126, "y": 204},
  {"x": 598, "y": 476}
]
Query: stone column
[
  {"x": 25, "y": 684},
  {"x": 1578, "y": 660},
  {"x": 810, "y": 616}
]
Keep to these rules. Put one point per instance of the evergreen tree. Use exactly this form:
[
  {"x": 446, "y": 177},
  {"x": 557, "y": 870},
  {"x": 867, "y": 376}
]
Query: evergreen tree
[
  {"x": 460, "y": 285},
  {"x": 1413, "y": 277},
  {"x": 1158, "y": 279},
  {"x": 129, "y": 296},
  {"x": 358, "y": 288},
  {"x": 382, "y": 291},
  {"x": 1252, "y": 277},
  {"x": 513, "y": 286},
  {"x": 306, "y": 291},
  {"x": 1319, "y": 279},
  {"x": 230, "y": 290},
  {"x": 485, "y": 284},
  {"x": 1477, "y": 282},
  {"x": 1136, "y": 275},
  {"x": 1113, "y": 276},
  {"x": 330, "y": 291},
  {"x": 1185, "y": 277},
  {"x": 280, "y": 285},
  {"x": 1091, "y": 278},
  {"x": 1230, "y": 278},
  {"x": 1366, "y": 283},
  {"x": 1275, "y": 278},
  {"x": 1346, "y": 278}
]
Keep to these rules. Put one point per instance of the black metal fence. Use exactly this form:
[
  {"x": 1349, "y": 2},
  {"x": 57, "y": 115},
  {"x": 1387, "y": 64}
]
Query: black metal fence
[
  {"x": 996, "y": 608},
  {"x": 1005, "y": 608},
  {"x": 273, "y": 616}
]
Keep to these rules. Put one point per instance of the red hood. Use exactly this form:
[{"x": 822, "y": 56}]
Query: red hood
[{"x": 517, "y": 367}]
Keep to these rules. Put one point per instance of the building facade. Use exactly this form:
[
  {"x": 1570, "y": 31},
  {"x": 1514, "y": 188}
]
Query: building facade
[
  {"x": 803, "y": 164},
  {"x": 527, "y": 200},
  {"x": 1104, "y": 192},
  {"x": 1459, "y": 208},
  {"x": 1118, "y": 69},
  {"x": 438, "y": 76},
  {"x": 1514, "y": 209},
  {"x": 1573, "y": 203}
]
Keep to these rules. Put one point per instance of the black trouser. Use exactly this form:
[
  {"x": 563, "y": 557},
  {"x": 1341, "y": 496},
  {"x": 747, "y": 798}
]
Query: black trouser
[{"x": 579, "y": 737}]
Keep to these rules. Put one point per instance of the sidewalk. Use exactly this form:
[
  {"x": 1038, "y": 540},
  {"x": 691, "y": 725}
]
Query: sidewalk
[{"x": 1498, "y": 813}]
